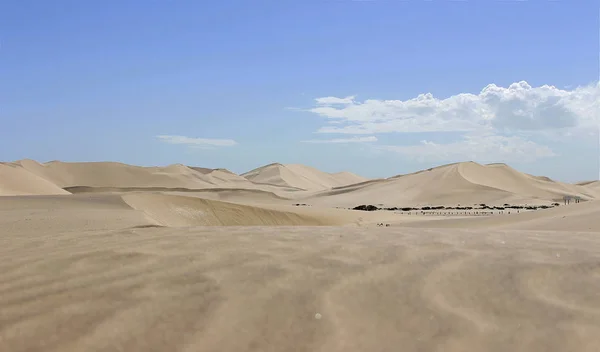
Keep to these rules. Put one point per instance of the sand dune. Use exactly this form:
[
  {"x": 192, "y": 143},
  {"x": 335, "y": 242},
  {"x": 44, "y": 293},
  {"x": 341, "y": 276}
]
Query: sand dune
[
  {"x": 15, "y": 180},
  {"x": 111, "y": 174},
  {"x": 502, "y": 176},
  {"x": 51, "y": 177},
  {"x": 220, "y": 176},
  {"x": 184, "y": 258},
  {"x": 101, "y": 176},
  {"x": 347, "y": 178},
  {"x": 172, "y": 210},
  {"x": 237, "y": 195},
  {"x": 592, "y": 186},
  {"x": 49, "y": 215},
  {"x": 300, "y": 176},
  {"x": 133, "y": 209},
  {"x": 462, "y": 183}
]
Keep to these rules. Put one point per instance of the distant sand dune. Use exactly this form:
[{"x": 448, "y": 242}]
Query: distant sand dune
[
  {"x": 83, "y": 189},
  {"x": 591, "y": 185},
  {"x": 461, "y": 183},
  {"x": 237, "y": 195},
  {"x": 110, "y": 174},
  {"x": 93, "y": 176},
  {"x": 504, "y": 177},
  {"x": 14, "y": 180},
  {"x": 347, "y": 178},
  {"x": 300, "y": 176}
]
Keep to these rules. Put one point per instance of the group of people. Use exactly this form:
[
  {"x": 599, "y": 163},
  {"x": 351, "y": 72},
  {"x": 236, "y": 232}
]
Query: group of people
[{"x": 568, "y": 199}]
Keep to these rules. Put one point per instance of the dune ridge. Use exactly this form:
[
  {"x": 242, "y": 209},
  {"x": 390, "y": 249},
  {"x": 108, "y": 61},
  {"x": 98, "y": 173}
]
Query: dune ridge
[
  {"x": 300, "y": 176},
  {"x": 459, "y": 183},
  {"x": 15, "y": 180},
  {"x": 506, "y": 178},
  {"x": 178, "y": 211},
  {"x": 112, "y": 174},
  {"x": 92, "y": 176},
  {"x": 82, "y": 212}
]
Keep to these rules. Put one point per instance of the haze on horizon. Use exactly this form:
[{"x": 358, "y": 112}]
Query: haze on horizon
[{"x": 377, "y": 88}]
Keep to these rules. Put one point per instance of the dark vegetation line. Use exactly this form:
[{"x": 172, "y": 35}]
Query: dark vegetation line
[{"x": 482, "y": 206}]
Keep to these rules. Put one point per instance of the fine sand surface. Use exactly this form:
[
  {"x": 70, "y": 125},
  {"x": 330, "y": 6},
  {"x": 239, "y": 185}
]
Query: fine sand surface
[
  {"x": 575, "y": 217},
  {"x": 114, "y": 257},
  {"x": 299, "y": 289}
]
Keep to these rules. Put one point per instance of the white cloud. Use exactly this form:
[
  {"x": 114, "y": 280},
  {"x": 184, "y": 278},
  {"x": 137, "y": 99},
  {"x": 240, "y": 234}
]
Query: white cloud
[
  {"x": 344, "y": 140},
  {"x": 197, "y": 142},
  {"x": 335, "y": 101},
  {"x": 519, "y": 107},
  {"x": 482, "y": 147}
]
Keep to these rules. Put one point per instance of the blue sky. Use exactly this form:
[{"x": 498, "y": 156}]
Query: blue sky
[{"x": 374, "y": 87}]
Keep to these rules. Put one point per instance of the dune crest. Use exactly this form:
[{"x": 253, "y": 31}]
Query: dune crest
[
  {"x": 178, "y": 211},
  {"x": 465, "y": 183},
  {"x": 15, "y": 180},
  {"x": 105, "y": 175},
  {"x": 112, "y": 174},
  {"x": 459, "y": 183},
  {"x": 300, "y": 176}
]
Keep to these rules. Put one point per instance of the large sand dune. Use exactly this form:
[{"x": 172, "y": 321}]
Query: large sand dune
[
  {"x": 134, "y": 209},
  {"x": 173, "y": 210},
  {"x": 110, "y": 174},
  {"x": 15, "y": 180},
  {"x": 462, "y": 183},
  {"x": 118, "y": 177},
  {"x": 347, "y": 178},
  {"x": 301, "y": 177},
  {"x": 592, "y": 186}
]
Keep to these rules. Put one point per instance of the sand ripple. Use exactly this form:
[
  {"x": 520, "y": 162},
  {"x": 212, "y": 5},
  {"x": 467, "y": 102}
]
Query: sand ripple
[{"x": 300, "y": 289}]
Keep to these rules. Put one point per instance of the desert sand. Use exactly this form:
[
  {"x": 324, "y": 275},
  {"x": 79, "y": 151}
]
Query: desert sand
[
  {"x": 114, "y": 257},
  {"x": 300, "y": 177}
]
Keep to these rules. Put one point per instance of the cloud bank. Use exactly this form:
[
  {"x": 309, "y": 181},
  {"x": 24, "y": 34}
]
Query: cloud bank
[
  {"x": 492, "y": 122},
  {"x": 518, "y": 107}
]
